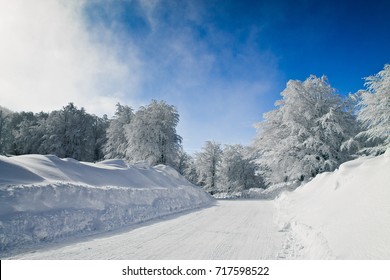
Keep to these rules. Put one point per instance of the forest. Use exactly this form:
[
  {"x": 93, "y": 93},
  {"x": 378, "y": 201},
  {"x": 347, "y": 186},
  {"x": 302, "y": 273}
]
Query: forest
[{"x": 312, "y": 129}]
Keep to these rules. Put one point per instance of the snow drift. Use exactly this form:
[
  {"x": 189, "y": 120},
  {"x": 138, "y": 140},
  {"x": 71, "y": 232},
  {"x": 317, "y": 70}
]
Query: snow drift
[
  {"x": 44, "y": 198},
  {"x": 343, "y": 214}
]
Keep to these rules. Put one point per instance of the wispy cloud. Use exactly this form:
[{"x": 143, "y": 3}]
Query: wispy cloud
[
  {"x": 217, "y": 81},
  {"x": 48, "y": 58}
]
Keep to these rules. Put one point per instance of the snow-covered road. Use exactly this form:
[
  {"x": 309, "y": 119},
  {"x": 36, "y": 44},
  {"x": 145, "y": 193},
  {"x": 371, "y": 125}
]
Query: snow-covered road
[{"x": 229, "y": 230}]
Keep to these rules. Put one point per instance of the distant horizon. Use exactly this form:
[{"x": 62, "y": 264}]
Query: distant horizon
[{"x": 222, "y": 64}]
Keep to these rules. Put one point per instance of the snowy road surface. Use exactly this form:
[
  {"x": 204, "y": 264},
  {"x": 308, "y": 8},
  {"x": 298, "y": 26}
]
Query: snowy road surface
[{"x": 229, "y": 230}]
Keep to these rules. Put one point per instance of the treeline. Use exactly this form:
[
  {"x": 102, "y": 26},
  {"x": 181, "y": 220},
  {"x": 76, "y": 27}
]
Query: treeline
[
  {"x": 69, "y": 132},
  {"x": 148, "y": 134},
  {"x": 313, "y": 129},
  {"x": 227, "y": 169}
]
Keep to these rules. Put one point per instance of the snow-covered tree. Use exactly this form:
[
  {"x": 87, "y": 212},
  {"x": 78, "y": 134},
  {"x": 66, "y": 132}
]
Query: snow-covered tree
[
  {"x": 305, "y": 134},
  {"x": 207, "y": 163},
  {"x": 374, "y": 112},
  {"x": 28, "y": 132},
  {"x": 190, "y": 172},
  {"x": 99, "y": 128},
  {"x": 185, "y": 165},
  {"x": 70, "y": 133},
  {"x": 231, "y": 169},
  {"x": 181, "y": 162},
  {"x": 238, "y": 170},
  {"x": 152, "y": 134},
  {"x": 116, "y": 144},
  {"x": 5, "y": 132},
  {"x": 251, "y": 177}
]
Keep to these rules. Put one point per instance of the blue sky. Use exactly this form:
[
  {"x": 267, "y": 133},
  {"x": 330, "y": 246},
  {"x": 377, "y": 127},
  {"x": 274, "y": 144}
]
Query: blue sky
[{"x": 222, "y": 63}]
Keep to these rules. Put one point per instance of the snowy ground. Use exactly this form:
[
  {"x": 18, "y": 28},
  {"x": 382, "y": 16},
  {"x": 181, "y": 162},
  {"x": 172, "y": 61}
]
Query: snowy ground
[
  {"x": 230, "y": 230},
  {"x": 85, "y": 211},
  {"x": 45, "y": 199},
  {"x": 343, "y": 214}
]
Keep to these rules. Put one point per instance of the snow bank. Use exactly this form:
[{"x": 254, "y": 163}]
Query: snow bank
[
  {"x": 44, "y": 198},
  {"x": 343, "y": 214}
]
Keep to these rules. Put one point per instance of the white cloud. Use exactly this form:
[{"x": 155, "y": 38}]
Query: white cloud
[{"x": 48, "y": 58}]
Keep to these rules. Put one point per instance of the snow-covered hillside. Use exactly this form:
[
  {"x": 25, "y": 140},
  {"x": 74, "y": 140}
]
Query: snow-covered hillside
[
  {"x": 343, "y": 214},
  {"x": 44, "y": 198}
]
